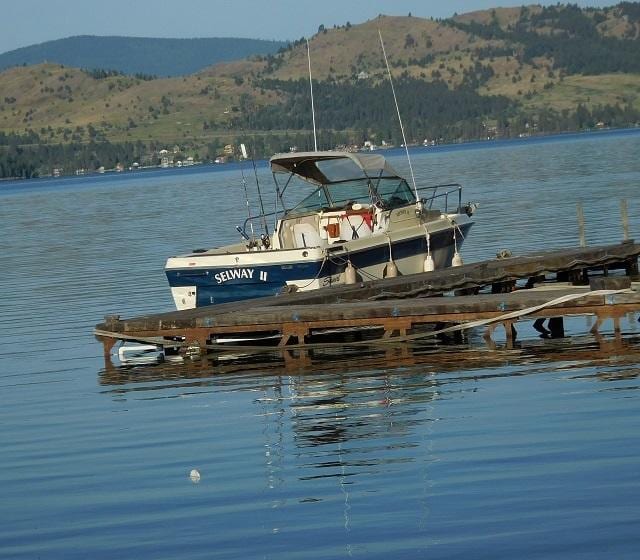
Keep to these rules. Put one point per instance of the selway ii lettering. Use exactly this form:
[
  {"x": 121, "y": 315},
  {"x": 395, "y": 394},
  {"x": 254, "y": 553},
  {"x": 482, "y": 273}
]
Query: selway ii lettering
[{"x": 234, "y": 274}]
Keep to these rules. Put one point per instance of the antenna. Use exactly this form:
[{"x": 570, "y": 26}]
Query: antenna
[
  {"x": 313, "y": 111},
  {"x": 395, "y": 99},
  {"x": 243, "y": 149}
]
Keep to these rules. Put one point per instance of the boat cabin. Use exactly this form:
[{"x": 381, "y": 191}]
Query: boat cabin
[{"x": 354, "y": 198}]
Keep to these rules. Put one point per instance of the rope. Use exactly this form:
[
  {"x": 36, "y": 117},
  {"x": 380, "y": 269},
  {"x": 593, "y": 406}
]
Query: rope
[
  {"x": 505, "y": 317},
  {"x": 324, "y": 260},
  {"x": 340, "y": 261}
]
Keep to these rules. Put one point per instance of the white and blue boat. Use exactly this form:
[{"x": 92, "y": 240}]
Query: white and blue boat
[{"x": 361, "y": 222}]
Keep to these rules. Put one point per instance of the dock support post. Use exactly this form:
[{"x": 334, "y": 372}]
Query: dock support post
[
  {"x": 533, "y": 280},
  {"x": 556, "y": 327},
  {"x": 576, "y": 277},
  {"x": 624, "y": 213},
  {"x": 107, "y": 345},
  {"x": 616, "y": 328},
  {"x": 487, "y": 335},
  {"x": 195, "y": 342},
  {"x": 396, "y": 325},
  {"x": 504, "y": 287},
  {"x": 538, "y": 325},
  {"x": 581, "y": 229},
  {"x": 293, "y": 330},
  {"x": 585, "y": 276},
  {"x": 511, "y": 333},
  {"x": 284, "y": 340},
  {"x": 631, "y": 268}
]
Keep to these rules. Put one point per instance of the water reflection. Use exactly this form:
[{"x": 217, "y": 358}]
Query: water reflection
[
  {"x": 328, "y": 376},
  {"x": 350, "y": 415}
]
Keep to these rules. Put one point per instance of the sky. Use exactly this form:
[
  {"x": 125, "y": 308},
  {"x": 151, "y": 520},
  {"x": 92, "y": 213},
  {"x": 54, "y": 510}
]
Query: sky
[{"x": 28, "y": 22}]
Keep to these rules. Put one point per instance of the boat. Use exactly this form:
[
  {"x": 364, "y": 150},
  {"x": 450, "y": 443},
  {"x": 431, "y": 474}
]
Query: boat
[{"x": 361, "y": 221}]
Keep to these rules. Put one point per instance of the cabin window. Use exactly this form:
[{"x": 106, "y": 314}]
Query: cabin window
[
  {"x": 394, "y": 192},
  {"x": 312, "y": 203},
  {"x": 350, "y": 191}
]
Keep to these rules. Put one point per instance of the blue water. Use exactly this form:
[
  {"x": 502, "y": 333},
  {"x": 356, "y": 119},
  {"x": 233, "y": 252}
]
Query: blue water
[{"x": 428, "y": 452}]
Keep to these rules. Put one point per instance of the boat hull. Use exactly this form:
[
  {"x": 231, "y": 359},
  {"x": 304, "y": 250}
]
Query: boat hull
[{"x": 201, "y": 280}]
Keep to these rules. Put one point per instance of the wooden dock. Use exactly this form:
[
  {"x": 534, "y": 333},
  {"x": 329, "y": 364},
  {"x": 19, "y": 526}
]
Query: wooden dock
[{"x": 546, "y": 286}]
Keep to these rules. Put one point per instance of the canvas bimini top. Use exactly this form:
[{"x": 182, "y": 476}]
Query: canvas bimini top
[
  {"x": 343, "y": 179},
  {"x": 324, "y": 168}
]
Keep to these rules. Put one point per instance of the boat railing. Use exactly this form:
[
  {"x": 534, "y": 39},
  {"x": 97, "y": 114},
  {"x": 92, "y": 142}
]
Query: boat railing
[
  {"x": 254, "y": 225},
  {"x": 439, "y": 192}
]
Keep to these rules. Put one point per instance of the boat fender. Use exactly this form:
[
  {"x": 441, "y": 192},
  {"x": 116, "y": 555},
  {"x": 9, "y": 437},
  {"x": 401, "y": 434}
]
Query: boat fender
[
  {"x": 429, "y": 265},
  {"x": 349, "y": 274},
  {"x": 457, "y": 259},
  {"x": 391, "y": 270}
]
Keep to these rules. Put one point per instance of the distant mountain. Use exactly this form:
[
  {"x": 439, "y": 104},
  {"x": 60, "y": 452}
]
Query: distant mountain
[
  {"x": 138, "y": 55},
  {"x": 501, "y": 73}
]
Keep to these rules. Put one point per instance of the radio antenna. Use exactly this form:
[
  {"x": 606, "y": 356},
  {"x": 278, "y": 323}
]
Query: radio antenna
[
  {"x": 243, "y": 149},
  {"x": 313, "y": 111},
  {"x": 395, "y": 99}
]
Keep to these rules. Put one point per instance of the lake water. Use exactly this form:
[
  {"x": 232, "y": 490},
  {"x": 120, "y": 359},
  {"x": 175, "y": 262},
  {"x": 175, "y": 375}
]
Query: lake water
[{"x": 428, "y": 452}]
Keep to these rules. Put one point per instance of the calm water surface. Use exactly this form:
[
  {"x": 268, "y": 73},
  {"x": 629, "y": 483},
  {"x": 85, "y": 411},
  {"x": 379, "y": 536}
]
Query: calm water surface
[{"x": 423, "y": 453}]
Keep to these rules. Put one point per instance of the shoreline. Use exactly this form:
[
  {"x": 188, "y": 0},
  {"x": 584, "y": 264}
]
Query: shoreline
[{"x": 451, "y": 146}]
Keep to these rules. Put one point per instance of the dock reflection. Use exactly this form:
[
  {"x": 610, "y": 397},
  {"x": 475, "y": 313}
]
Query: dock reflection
[{"x": 467, "y": 360}]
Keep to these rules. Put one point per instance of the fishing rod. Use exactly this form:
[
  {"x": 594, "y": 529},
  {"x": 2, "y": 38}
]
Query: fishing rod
[{"x": 255, "y": 173}]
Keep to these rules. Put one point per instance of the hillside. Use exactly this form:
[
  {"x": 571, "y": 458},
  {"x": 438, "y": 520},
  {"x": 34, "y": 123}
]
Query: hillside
[
  {"x": 139, "y": 55},
  {"x": 493, "y": 74}
]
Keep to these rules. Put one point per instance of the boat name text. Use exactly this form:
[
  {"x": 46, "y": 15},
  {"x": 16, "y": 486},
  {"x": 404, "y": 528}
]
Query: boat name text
[{"x": 238, "y": 274}]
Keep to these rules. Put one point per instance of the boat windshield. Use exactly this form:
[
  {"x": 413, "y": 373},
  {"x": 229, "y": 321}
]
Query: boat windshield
[{"x": 388, "y": 192}]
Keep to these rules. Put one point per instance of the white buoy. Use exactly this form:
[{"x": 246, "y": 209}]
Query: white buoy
[
  {"x": 349, "y": 274},
  {"x": 391, "y": 270},
  {"x": 457, "y": 259},
  {"x": 429, "y": 265},
  {"x": 194, "y": 475}
]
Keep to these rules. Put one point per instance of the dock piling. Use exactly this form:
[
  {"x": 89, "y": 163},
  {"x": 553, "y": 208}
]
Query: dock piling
[
  {"x": 624, "y": 213},
  {"x": 581, "y": 228},
  {"x": 556, "y": 327}
]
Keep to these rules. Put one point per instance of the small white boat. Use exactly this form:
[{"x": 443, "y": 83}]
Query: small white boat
[{"x": 362, "y": 221}]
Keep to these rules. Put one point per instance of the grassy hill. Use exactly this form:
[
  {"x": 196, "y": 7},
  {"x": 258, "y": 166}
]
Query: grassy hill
[
  {"x": 495, "y": 73},
  {"x": 139, "y": 55}
]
